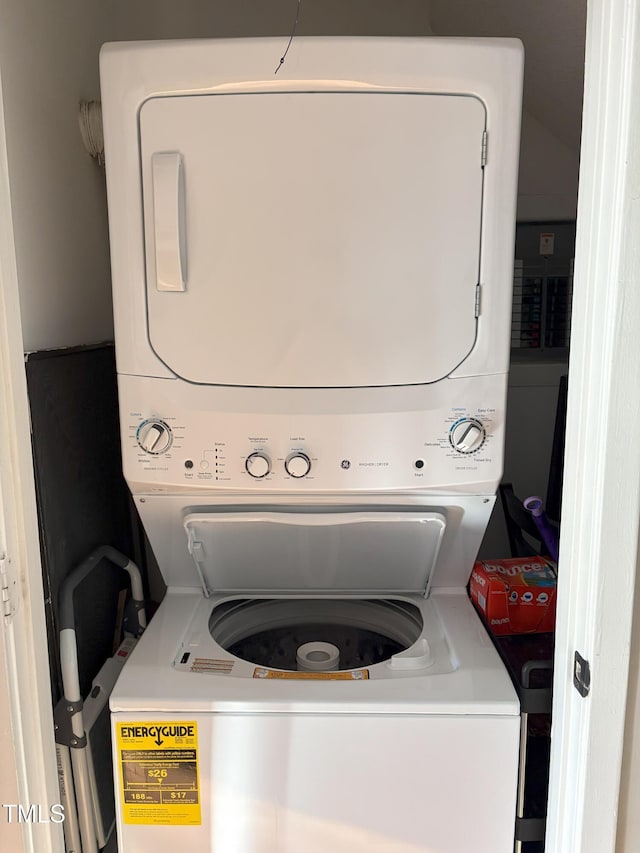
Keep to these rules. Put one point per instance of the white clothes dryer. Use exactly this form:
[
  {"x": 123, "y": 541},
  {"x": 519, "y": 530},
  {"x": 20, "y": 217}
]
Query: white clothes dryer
[{"x": 312, "y": 276}]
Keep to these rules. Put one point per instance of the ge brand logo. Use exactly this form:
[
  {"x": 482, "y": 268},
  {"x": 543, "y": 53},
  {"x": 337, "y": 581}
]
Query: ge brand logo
[{"x": 345, "y": 464}]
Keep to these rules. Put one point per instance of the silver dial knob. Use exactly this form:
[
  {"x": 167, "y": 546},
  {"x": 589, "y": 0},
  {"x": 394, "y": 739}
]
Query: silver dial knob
[
  {"x": 154, "y": 436},
  {"x": 297, "y": 464},
  {"x": 258, "y": 465},
  {"x": 467, "y": 435}
]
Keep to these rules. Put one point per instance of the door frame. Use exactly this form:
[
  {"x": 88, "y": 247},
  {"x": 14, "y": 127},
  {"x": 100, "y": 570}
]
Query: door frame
[
  {"x": 31, "y": 763},
  {"x": 601, "y": 496}
]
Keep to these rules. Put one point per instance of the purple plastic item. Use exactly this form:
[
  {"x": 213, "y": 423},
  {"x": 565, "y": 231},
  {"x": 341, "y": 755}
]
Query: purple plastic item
[{"x": 548, "y": 533}]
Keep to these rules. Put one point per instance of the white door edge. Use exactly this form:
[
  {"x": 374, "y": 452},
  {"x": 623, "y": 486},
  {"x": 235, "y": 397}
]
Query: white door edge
[
  {"x": 601, "y": 498},
  {"x": 24, "y": 639}
]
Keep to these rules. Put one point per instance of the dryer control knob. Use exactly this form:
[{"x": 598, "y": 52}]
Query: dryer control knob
[
  {"x": 297, "y": 464},
  {"x": 258, "y": 465},
  {"x": 467, "y": 435},
  {"x": 154, "y": 436}
]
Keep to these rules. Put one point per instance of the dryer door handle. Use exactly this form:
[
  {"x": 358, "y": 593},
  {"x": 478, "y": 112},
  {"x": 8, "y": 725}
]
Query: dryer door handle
[{"x": 169, "y": 220}]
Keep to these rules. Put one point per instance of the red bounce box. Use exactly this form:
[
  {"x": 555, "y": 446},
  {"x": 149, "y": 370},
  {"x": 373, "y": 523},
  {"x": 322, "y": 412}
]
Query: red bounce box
[{"x": 515, "y": 596}]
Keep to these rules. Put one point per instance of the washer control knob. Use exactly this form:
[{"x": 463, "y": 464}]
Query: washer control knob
[
  {"x": 258, "y": 465},
  {"x": 467, "y": 435},
  {"x": 154, "y": 436},
  {"x": 297, "y": 464}
]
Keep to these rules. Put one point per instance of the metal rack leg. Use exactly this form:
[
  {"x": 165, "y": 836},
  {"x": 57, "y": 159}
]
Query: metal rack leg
[{"x": 522, "y": 769}]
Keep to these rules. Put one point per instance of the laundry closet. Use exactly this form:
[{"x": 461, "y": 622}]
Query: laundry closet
[{"x": 58, "y": 191}]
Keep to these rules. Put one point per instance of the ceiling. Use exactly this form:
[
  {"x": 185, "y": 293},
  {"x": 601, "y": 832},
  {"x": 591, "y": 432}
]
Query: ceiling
[{"x": 553, "y": 33}]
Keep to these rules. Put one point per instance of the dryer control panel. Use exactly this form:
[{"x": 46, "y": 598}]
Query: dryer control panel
[{"x": 172, "y": 445}]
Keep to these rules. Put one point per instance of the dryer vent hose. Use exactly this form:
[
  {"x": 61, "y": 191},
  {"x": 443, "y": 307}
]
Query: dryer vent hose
[{"x": 90, "y": 121}]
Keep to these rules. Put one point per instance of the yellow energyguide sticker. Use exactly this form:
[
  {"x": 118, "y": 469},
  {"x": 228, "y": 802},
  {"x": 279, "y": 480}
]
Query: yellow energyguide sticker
[{"x": 159, "y": 772}]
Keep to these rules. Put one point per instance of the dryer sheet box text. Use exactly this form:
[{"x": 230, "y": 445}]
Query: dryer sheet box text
[{"x": 515, "y": 596}]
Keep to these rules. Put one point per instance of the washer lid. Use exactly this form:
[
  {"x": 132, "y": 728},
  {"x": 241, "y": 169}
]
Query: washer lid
[
  {"x": 356, "y": 551},
  {"x": 312, "y": 239}
]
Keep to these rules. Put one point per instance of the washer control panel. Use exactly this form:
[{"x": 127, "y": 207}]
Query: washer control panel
[{"x": 170, "y": 448}]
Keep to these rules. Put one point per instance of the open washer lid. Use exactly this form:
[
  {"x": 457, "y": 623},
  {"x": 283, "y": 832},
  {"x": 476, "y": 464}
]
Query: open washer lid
[
  {"x": 359, "y": 551},
  {"x": 312, "y": 239}
]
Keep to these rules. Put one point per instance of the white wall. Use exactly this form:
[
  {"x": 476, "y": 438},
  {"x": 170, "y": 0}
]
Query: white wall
[
  {"x": 48, "y": 61},
  {"x": 205, "y": 18},
  {"x": 553, "y": 34},
  {"x": 548, "y": 178}
]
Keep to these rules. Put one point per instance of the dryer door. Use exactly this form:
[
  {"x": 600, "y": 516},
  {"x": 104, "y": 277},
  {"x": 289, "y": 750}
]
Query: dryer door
[{"x": 317, "y": 239}]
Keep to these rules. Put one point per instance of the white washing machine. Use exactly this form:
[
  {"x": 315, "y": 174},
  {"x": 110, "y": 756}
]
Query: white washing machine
[{"x": 312, "y": 277}]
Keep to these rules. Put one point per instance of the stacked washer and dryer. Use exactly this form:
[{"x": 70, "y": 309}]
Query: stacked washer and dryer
[{"x": 312, "y": 286}]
